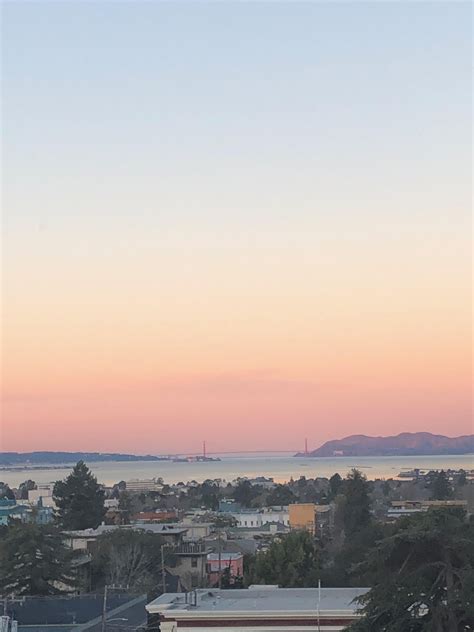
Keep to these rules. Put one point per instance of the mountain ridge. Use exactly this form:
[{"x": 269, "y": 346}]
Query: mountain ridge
[
  {"x": 55, "y": 458},
  {"x": 403, "y": 444}
]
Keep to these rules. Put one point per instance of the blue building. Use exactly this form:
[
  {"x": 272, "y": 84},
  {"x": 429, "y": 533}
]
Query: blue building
[{"x": 11, "y": 510}]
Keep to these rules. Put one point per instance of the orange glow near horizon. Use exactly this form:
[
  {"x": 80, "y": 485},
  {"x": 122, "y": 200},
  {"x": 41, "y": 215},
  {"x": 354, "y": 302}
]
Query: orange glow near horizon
[{"x": 251, "y": 247}]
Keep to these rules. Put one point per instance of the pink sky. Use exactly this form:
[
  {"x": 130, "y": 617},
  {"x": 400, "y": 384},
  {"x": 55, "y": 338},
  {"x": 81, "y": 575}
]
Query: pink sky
[{"x": 245, "y": 223}]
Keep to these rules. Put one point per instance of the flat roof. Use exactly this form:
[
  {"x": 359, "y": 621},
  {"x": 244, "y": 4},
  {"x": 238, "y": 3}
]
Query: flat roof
[
  {"x": 161, "y": 529},
  {"x": 214, "y": 557},
  {"x": 258, "y": 599}
]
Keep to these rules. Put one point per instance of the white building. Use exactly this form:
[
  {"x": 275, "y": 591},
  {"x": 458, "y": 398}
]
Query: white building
[
  {"x": 248, "y": 519},
  {"x": 43, "y": 494},
  {"x": 257, "y": 609},
  {"x": 196, "y": 530},
  {"x": 143, "y": 485}
]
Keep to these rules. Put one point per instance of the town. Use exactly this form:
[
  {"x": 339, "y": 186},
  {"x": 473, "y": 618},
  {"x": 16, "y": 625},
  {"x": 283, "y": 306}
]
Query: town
[{"x": 131, "y": 554}]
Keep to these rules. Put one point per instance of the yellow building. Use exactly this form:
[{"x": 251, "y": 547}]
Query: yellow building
[{"x": 303, "y": 516}]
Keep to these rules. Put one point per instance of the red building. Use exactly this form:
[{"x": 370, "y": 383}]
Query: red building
[{"x": 230, "y": 563}]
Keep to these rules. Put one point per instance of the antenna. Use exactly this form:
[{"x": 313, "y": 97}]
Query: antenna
[
  {"x": 204, "y": 449},
  {"x": 306, "y": 447},
  {"x": 319, "y": 604}
]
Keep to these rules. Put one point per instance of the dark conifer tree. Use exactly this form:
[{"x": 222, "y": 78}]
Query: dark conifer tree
[{"x": 80, "y": 500}]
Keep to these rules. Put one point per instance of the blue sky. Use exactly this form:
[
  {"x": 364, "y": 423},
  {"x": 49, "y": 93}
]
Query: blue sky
[{"x": 203, "y": 189}]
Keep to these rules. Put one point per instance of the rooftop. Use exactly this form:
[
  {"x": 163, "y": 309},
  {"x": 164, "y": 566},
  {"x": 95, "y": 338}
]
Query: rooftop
[
  {"x": 214, "y": 557},
  {"x": 259, "y": 599},
  {"x": 160, "y": 528}
]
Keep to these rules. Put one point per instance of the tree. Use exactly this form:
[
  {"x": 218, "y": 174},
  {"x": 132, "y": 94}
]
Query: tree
[
  {"x": 441, "y": 487},
  {"x": 462, "y": 479},
  {"x": 335, "y": 484},
  {"x": 245, "y": 492},
  {"x": 128, "y": 557},
  {"x": 281, "y": 495},
  {"x": 80, "y": 500},
  {"x": 357, "y": 506},
  {"x": 424, "y": 576},
  {"x": 34, "y": 561},
  {"x": 6, "y": 492},
  {"x": 290, "y": 562},
  {"x": 25, "y": 488}
]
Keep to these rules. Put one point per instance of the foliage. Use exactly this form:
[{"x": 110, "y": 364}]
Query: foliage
[
  {"x": 292, "y": 561},
  {"x": 245, "y": 492},
  {"x": 222, "y": 521},
  {"x": 6, "y": 492},
  {"x": 281, "y": 495},
  {"x": 342, "y": 566},
  {"x": 80, "y": 499},
  {"x": 33, "y": 561},
  {"x": 335, "y": 484},
  {"x": 128, "y": 558},
  {"x": 357, "y": 504},
  {"x": 229, "y": 581},
  {"x": 441, "y": 487},
  {"x": 25, "y": 487},
  {"x": 424, "y": 576},
  {"x": 210, "y": 496}
]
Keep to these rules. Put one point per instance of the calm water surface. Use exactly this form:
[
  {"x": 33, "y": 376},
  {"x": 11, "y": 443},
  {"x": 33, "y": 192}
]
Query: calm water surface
[{"x": 280, "y": 467}]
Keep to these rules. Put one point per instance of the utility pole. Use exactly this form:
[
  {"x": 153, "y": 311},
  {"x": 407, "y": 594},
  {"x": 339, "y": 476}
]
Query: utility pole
[
  {"x": 163, "y": 570},
  {"x": 104, "y": 609},
  {"x": 220, "y": 560}
]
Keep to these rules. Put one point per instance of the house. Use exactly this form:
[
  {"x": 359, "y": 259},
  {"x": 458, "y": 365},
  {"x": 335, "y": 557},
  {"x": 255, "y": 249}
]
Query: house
[
  {"x": 190, "y": 564},
  {"x": 170, "y": 533},
  {"x": 218, "y": 563},
  {"x": 11, "y": 510},
  {"x": 311, "y": 517},
  {"x": 402, "y": 508},
  {"x": 136, "y": 485},
  {"x": 229, "y": 505},
  {"x": 196, "y": 530},
  {"x": 155, "y": 516},
  {"x": 247, "y": 518},
  {"x": 266, "y": 608},
  {"x": 42, "y": 495}
]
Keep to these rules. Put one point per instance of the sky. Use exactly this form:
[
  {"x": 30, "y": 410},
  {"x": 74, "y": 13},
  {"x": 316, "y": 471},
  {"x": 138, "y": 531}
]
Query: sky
[{"x": 241, "y": 222}]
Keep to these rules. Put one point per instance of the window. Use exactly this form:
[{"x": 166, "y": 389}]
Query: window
[{"x": 194, "y": 562}]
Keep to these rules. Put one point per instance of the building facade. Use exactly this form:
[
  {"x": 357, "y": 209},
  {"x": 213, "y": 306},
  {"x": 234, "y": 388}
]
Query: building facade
[{"x": 256, "y": 609}]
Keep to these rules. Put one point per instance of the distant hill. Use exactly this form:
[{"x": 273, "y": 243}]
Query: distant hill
[
  {"x": 404, "y": 444},
  {"x": 59, "y": 458}
]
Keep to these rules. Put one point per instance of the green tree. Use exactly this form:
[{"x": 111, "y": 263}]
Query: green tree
[
  {"x": 441, "y": 487},
  {"x": 34, "y": 561},
  {"x": 462, "y": 479},
  {"x": 423, "y": 576},
  {"x": 25, "y": 487},
  {"x": 357, "y": 505},
  {"x": 6, "y": 492},
  {"x": 80, "y": 500},
  {"x": 335, "y": 484},
  {"x": 281, "y": 495},
  {"x": 245, "y": 492},
  {"x": 290, "y": 562}
]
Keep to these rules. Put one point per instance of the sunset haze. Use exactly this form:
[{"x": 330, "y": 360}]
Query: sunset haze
[{"x": 248, "y": 223}]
